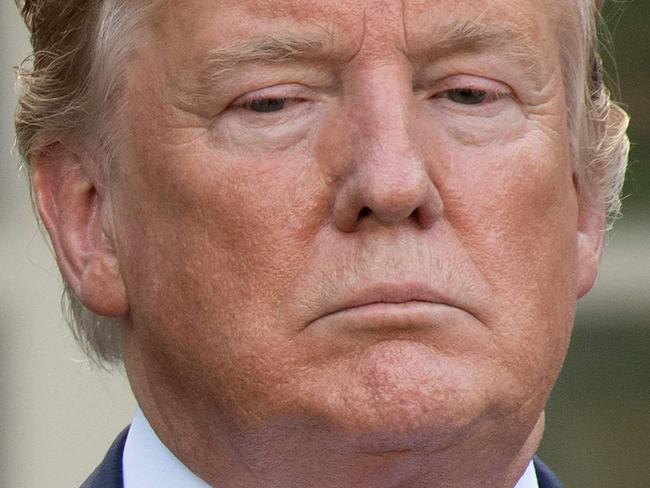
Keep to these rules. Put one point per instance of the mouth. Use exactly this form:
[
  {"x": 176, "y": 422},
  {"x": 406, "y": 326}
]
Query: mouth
[{"x": 387, "y": 306}]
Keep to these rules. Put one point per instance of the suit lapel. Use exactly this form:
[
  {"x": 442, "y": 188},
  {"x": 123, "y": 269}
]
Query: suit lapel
[
  {"x": 109, "y": 473},
  {"x": 545, "y": 476}
]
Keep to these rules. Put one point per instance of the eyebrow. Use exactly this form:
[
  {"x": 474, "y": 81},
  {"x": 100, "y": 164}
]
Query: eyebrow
[
  {"x": 220, "y": 63},
  {"x": 504, "y": 38},
  {"x": 267, "y": 49},
  {"x": 456, "y": 37},
  {"x": 460, "y": 35}
]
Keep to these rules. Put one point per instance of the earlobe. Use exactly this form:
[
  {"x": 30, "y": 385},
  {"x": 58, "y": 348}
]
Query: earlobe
[
  {"x": 66, "y": 196},
  {"x": 102, "y": 288},
  {"x": 590, "y": 239}
]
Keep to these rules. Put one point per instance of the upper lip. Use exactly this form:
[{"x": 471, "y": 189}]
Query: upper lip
[{"x": 388, "y": 293}]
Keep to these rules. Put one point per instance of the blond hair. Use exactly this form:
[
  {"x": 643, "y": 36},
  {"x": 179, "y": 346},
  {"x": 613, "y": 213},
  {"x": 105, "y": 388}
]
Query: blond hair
[{"x": 72, "y": 83}]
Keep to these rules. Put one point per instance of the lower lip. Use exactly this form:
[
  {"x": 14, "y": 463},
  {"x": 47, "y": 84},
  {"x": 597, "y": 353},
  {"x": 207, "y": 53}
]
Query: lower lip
[{"x": 412, "y": 315}]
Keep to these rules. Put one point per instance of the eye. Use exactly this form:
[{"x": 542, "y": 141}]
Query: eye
[
  {"x": 266, "y": 105},
  {"x": 468, "y": 96}
]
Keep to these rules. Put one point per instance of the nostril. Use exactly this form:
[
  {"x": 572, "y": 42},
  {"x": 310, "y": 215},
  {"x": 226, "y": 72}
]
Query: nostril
[
  {"x": 421, "y": 218},
  {"x": 365, "y": 212}
]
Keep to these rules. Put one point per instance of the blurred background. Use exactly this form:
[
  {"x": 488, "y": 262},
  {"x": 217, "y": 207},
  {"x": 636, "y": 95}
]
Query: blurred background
[
  {"x": 598, "y": 419},
  {"x": 58, "y": 415}
]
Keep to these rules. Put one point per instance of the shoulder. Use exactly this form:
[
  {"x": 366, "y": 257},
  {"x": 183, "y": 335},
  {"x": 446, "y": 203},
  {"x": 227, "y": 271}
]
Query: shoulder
[
  {"x": 545, "y": 476},
  {"x": 109, "y": 473}
]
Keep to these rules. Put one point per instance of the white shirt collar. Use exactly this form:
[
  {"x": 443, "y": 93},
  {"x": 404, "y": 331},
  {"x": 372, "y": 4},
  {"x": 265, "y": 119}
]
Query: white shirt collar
[
  {"x": 528, "y": 479},
  {"x": 147, "y": 463}
]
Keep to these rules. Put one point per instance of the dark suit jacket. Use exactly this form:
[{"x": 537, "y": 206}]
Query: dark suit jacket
[{"x": 109, "y": 473}]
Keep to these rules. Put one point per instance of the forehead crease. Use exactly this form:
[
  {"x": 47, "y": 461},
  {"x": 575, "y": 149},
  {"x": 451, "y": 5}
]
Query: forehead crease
[
  {"x": 301, "y": 10},
  {"x": 324, "y": 30},
  {"x": 225, "y": 18}
]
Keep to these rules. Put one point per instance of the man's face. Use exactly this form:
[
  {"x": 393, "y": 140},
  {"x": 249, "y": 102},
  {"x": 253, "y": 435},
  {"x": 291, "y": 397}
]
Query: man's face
[{"x": 354, "y": 216}]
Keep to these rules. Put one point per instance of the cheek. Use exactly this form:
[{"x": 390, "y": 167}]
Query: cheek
[
  {"x": 515, "y": 204},
  {"x": 222, "y": 245},
  {"x": 514, "y": 208},
  {"x": 227, "y": 234}
]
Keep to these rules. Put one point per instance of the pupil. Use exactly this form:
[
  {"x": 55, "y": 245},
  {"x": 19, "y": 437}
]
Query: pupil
[
  {"x": 266, "y": 105},
  {"x": 467, "y": 96}
]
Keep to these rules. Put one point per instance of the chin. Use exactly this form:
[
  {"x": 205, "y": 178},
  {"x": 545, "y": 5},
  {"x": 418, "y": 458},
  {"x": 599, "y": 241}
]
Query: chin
[{"x": 401, "y": 396}]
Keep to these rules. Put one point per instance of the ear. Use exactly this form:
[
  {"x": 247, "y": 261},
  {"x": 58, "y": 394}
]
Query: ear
[
  {"x": 590, "y": 238},
  {"x": 66, "y": 196}
]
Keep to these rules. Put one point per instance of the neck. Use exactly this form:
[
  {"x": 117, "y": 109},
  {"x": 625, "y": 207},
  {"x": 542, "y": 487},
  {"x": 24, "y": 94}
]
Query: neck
[
  {"x": 220, "y": 448},
  {"x": 297, "y": 457}
]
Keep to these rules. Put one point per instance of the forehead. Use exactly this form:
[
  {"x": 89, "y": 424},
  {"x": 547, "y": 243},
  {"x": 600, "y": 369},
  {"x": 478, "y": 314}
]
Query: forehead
[{"x": 403, "y": 23}]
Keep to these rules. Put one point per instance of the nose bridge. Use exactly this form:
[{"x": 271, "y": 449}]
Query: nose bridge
[
  {"x": 383, "y": 142},
  {"x": 383, "y": 113},
  {"x": 389, "y": 181}
]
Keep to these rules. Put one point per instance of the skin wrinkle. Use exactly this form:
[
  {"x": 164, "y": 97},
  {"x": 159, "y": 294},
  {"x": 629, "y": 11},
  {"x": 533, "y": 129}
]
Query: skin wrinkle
[
  {"x": 219, "y": 310},
  {"x": 224, "y": 63}
]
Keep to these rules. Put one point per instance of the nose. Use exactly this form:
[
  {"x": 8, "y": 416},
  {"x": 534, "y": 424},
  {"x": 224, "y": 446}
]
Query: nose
[{"x": 388, "y": 181}]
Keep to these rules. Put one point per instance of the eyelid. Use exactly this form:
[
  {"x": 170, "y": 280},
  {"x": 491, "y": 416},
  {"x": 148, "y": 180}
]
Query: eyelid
[
  {"x": 489, "y": 95},
  {"x": 289, "y": 92},
  {"x": 477, "y": 83}
]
